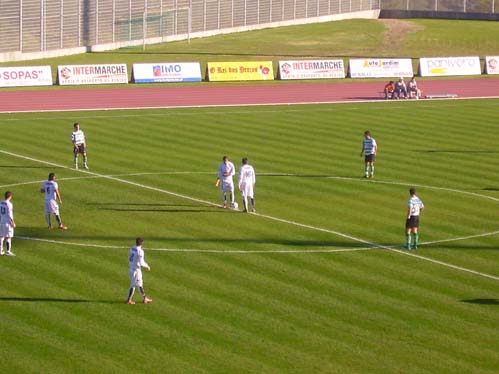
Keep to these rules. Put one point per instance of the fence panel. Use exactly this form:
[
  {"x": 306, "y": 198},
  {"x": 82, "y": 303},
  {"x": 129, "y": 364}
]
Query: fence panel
[
  {"x": 10, "y": 25},
  {"x": 45, "y": 25}
]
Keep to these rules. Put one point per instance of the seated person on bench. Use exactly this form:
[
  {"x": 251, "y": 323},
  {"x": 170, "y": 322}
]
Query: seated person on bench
[
  {"x": 400, "y": 88},
  {"x": 389, "y": 90},
  {"x": 414, "y": 91}
]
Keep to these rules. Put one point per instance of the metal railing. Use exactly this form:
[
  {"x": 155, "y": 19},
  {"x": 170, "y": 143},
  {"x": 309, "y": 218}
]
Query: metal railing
[{"x": 28, "y": 26}]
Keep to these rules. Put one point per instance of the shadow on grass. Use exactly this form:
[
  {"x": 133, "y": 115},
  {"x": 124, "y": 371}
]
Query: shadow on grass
[
  {"x": 57, "y": 300},
  {"x": 308, "y": 176},
  {"x": 482, "y": 301},
  {"x": 456, "y": 151},
  {"x": 143, "y": 204},
  {"x": 28, "y": 167},
  {"x": 149, "y": 207},
  {"x": 458, "y": 247},
  {"x": 162, "y": 210},
  {"x": 228, "y": 242}
]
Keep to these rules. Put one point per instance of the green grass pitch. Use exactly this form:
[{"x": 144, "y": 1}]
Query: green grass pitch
[{"x": 315, "y": 282}]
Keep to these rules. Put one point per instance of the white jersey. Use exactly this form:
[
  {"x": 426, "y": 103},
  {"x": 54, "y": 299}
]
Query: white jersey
[
  {"x": 369, "y": 146},
  {"x": 246, "y": 176},
  {"x": 226, "y": 171},
  {"x": 78, "y": 137},
  {"x": 6, "y": 212},
  {"x": 136, "y": 258},
  {"x": 50, "y": 187},
  {"x": 415, "y": 205}
]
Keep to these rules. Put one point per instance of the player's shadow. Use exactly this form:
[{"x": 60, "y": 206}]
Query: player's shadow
[
  {"x": 155, "y": 207},
  {"x": 482, "y": 301},
  {"x": 284, "y": 175},
  {"x": 57, "y": 300},
  {"x": 490, "y": 189},
  {"x": 464, "y": 247},
  {"x": 27, "y": 167}
]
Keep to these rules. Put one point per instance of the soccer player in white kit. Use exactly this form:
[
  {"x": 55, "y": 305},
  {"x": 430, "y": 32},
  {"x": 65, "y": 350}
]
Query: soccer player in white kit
[
  {"x": 369, "y": 150},
  {"x": 136, "y": 263},
  {"x": 51, "y": 190},
  {"x": 226, "y": 170},
  {"x": 7, "y": 224},
  {"x": 247, "y": 180},
  {"x": 79, "y": 145},
  {"x": 414, "y": 208}
]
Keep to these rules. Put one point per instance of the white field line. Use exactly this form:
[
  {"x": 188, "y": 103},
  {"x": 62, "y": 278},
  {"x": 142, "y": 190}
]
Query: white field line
[
  {"x": 374, "y": 245},
  {"x": 229, "y": 251},
  {"x": 94, "y": 175},
  {"x": 287, "y": 107},
  {"x": 424, "y": 186},
  {"x": 387, "y": 102},
  {"x": 192, "y": 250}
]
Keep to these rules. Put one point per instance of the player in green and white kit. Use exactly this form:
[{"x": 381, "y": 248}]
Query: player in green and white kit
[
  {"x": 79, "y": 145},
  {"x": 414, "y": 208},
  {"x": 369, "y": 151}
]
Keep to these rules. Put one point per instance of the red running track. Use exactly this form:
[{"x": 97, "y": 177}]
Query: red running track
[{"x": 199, "y": 95}]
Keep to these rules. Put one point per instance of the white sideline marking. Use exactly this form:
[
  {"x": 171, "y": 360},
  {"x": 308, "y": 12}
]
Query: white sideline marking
[
  {"x": 374, "y": 245},
  {"x": 285, "y": 108}
]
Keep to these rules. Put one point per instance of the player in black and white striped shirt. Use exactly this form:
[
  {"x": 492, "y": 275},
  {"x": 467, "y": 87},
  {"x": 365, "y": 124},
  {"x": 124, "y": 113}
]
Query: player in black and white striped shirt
[
  {"x": 369, "y": 150},
  {"x": 79, "y": 145}
]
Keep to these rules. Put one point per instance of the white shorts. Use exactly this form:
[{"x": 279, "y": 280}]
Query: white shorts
[
  {"x": 136, "y": 278},
  {"x": 6, "y": 230},
  {"x": 247, "y": 190},
  {"x": 228, "y": 187},
  {"x": 51, "y": 206}
]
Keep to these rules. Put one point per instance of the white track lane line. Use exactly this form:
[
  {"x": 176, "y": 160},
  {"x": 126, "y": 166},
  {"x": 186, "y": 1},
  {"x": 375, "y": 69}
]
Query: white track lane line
[
  {"x": 240, "y": 105},
  {"x": 374, "y": 245}
]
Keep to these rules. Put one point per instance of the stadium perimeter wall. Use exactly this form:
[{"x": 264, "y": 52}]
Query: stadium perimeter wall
[{"x": 402, "y": 14}]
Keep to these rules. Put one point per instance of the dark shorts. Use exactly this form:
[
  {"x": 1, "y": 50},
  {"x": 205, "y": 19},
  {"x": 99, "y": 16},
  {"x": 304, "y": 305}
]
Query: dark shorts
[
  {"x": 412, "y": 222},
  {"x": 79, "y": 149},
  {"x": 370, "y": 158}
]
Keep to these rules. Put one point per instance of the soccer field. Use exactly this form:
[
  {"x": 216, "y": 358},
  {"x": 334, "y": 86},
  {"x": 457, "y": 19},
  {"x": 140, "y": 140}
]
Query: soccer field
[{"x": 316, "y": 281}]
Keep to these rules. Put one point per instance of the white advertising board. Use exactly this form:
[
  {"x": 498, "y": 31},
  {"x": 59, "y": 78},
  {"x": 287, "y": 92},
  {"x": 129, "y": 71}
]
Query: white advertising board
[
  {"x": 311, "y": 69},
  {"x": 167, "y": 72},
  {"x": 441, "y": 66},
  {"x": 380, "y": 67},
  {"x": 92, "y": 74},
  {"x": 25, "y": 76},
  {"x": 492, "y": 64}
]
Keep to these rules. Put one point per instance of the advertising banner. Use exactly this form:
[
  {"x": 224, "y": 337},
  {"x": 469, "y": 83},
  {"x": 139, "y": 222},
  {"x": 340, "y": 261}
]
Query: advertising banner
[
  {"x": 167, "y": 72},
  {"x": 492, "y": 64},
  {"x": 440, "y": 66},
  {"x": 311, "y": 69},
  {"x": 92, "y": 74},
  {"x": 381, "y": 67},
  {"x": 25, "y": 76},
  {"x": 240, "y": 71}
]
